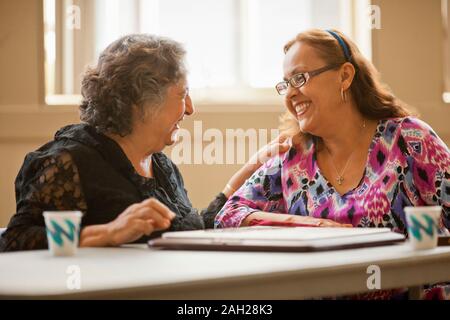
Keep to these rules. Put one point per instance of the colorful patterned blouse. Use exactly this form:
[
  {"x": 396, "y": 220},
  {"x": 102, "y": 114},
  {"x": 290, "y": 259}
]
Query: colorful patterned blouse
[{"x": 407, "y": 165}]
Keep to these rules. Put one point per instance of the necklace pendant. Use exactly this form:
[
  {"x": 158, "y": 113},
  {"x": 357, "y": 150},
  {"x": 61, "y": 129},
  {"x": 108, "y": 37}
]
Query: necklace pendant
[{"x": 339, "y": 180}]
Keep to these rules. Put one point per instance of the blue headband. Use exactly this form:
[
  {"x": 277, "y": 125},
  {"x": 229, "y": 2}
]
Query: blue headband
[{"x": 341, "y": 43}]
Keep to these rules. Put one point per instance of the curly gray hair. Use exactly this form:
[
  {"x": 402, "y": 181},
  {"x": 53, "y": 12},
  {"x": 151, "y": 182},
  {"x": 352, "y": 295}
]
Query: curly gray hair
[{"x": 135, "y": 70}]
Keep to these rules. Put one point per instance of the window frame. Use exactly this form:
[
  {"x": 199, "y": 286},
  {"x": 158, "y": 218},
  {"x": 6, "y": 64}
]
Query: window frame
[{"x": 234, "y": 99}]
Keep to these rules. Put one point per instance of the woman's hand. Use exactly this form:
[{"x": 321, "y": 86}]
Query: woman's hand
[
  {"x": 137, "y": 220},
  {"x": 277, "y": 146}
]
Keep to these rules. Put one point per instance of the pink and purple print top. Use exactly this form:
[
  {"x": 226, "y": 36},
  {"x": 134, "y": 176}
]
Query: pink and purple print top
[{"x": 407, "y": 165}]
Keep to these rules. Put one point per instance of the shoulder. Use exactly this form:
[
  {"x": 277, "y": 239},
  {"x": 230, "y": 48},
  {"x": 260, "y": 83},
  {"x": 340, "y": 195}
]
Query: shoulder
[
  {"x": 416, "y": 128},
  {"x": 301, "y": 152},
  {"x": 417, "y": 139},
  {"x": 407, "y": 127},
  {"x": 409, "y": 130},
  {"x": 61, "y": 150},
  {"x": 51, "y": 152},
  {"x": 62, "y": 146}
]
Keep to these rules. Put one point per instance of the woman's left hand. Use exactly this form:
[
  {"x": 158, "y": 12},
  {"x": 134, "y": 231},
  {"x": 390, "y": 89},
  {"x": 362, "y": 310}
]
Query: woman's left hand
[{"x": 277, "y": 146}]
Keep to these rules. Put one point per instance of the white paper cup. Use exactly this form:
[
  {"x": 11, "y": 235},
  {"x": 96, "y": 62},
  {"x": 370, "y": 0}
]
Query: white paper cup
[
  {"x": 423, "y": 226},
  {"x": 63, "y": 231}
]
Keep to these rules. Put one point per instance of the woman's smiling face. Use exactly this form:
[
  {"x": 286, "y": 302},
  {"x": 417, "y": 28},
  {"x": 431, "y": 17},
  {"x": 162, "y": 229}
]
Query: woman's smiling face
[
  {"x": 177, "y": 104},
  {"x": 161, "y": 128},
  {"x": 314, "y": 104}
]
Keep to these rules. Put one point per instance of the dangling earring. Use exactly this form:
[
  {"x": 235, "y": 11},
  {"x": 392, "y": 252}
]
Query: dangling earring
[{"x": 343, "y": 95}]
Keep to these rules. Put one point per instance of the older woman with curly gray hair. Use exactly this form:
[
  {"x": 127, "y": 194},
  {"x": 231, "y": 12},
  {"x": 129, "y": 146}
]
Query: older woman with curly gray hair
[{"x": 110, "y": 166}]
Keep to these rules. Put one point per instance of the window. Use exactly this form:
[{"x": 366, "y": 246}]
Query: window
[{"x": 235, "y": 47}]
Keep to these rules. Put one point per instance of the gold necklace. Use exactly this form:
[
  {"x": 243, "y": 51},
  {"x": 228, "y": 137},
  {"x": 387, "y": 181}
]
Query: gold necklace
[{"x": 340, "y": 177}]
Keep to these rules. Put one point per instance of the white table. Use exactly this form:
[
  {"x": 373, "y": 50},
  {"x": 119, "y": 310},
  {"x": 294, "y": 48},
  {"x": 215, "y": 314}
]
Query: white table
[{"x": 139, "y": 272}]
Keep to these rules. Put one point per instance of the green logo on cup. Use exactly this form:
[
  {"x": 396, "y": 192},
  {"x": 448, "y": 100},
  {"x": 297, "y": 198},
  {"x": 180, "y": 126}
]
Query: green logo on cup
[
  {"x": 59, "y": 231},
  {"x": 416, "y": 226}
]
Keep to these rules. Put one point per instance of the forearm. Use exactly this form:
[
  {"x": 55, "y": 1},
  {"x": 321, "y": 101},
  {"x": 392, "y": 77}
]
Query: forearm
[
  {"x": 95, "y": 236},
  {"x": 299, "y": 220},
  {"x": 261, "y": 215}
]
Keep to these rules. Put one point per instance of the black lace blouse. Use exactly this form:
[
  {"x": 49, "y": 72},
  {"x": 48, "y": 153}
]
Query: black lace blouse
[{"x": 82, "y": 169}]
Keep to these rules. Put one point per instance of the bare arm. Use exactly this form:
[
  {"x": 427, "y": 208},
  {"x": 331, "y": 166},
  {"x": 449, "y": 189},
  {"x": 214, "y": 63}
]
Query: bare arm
[{"x": 277, "y": 217}]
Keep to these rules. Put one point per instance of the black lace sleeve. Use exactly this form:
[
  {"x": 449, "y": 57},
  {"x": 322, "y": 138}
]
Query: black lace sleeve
[
  {"x": 192, "y": 220},
  {"x": 214, "y": 207},
  {"x": 49, "y": 183}
]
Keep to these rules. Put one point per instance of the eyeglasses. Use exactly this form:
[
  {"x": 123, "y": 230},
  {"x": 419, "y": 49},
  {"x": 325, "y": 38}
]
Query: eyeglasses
[{"x": 299, "y": 80}]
